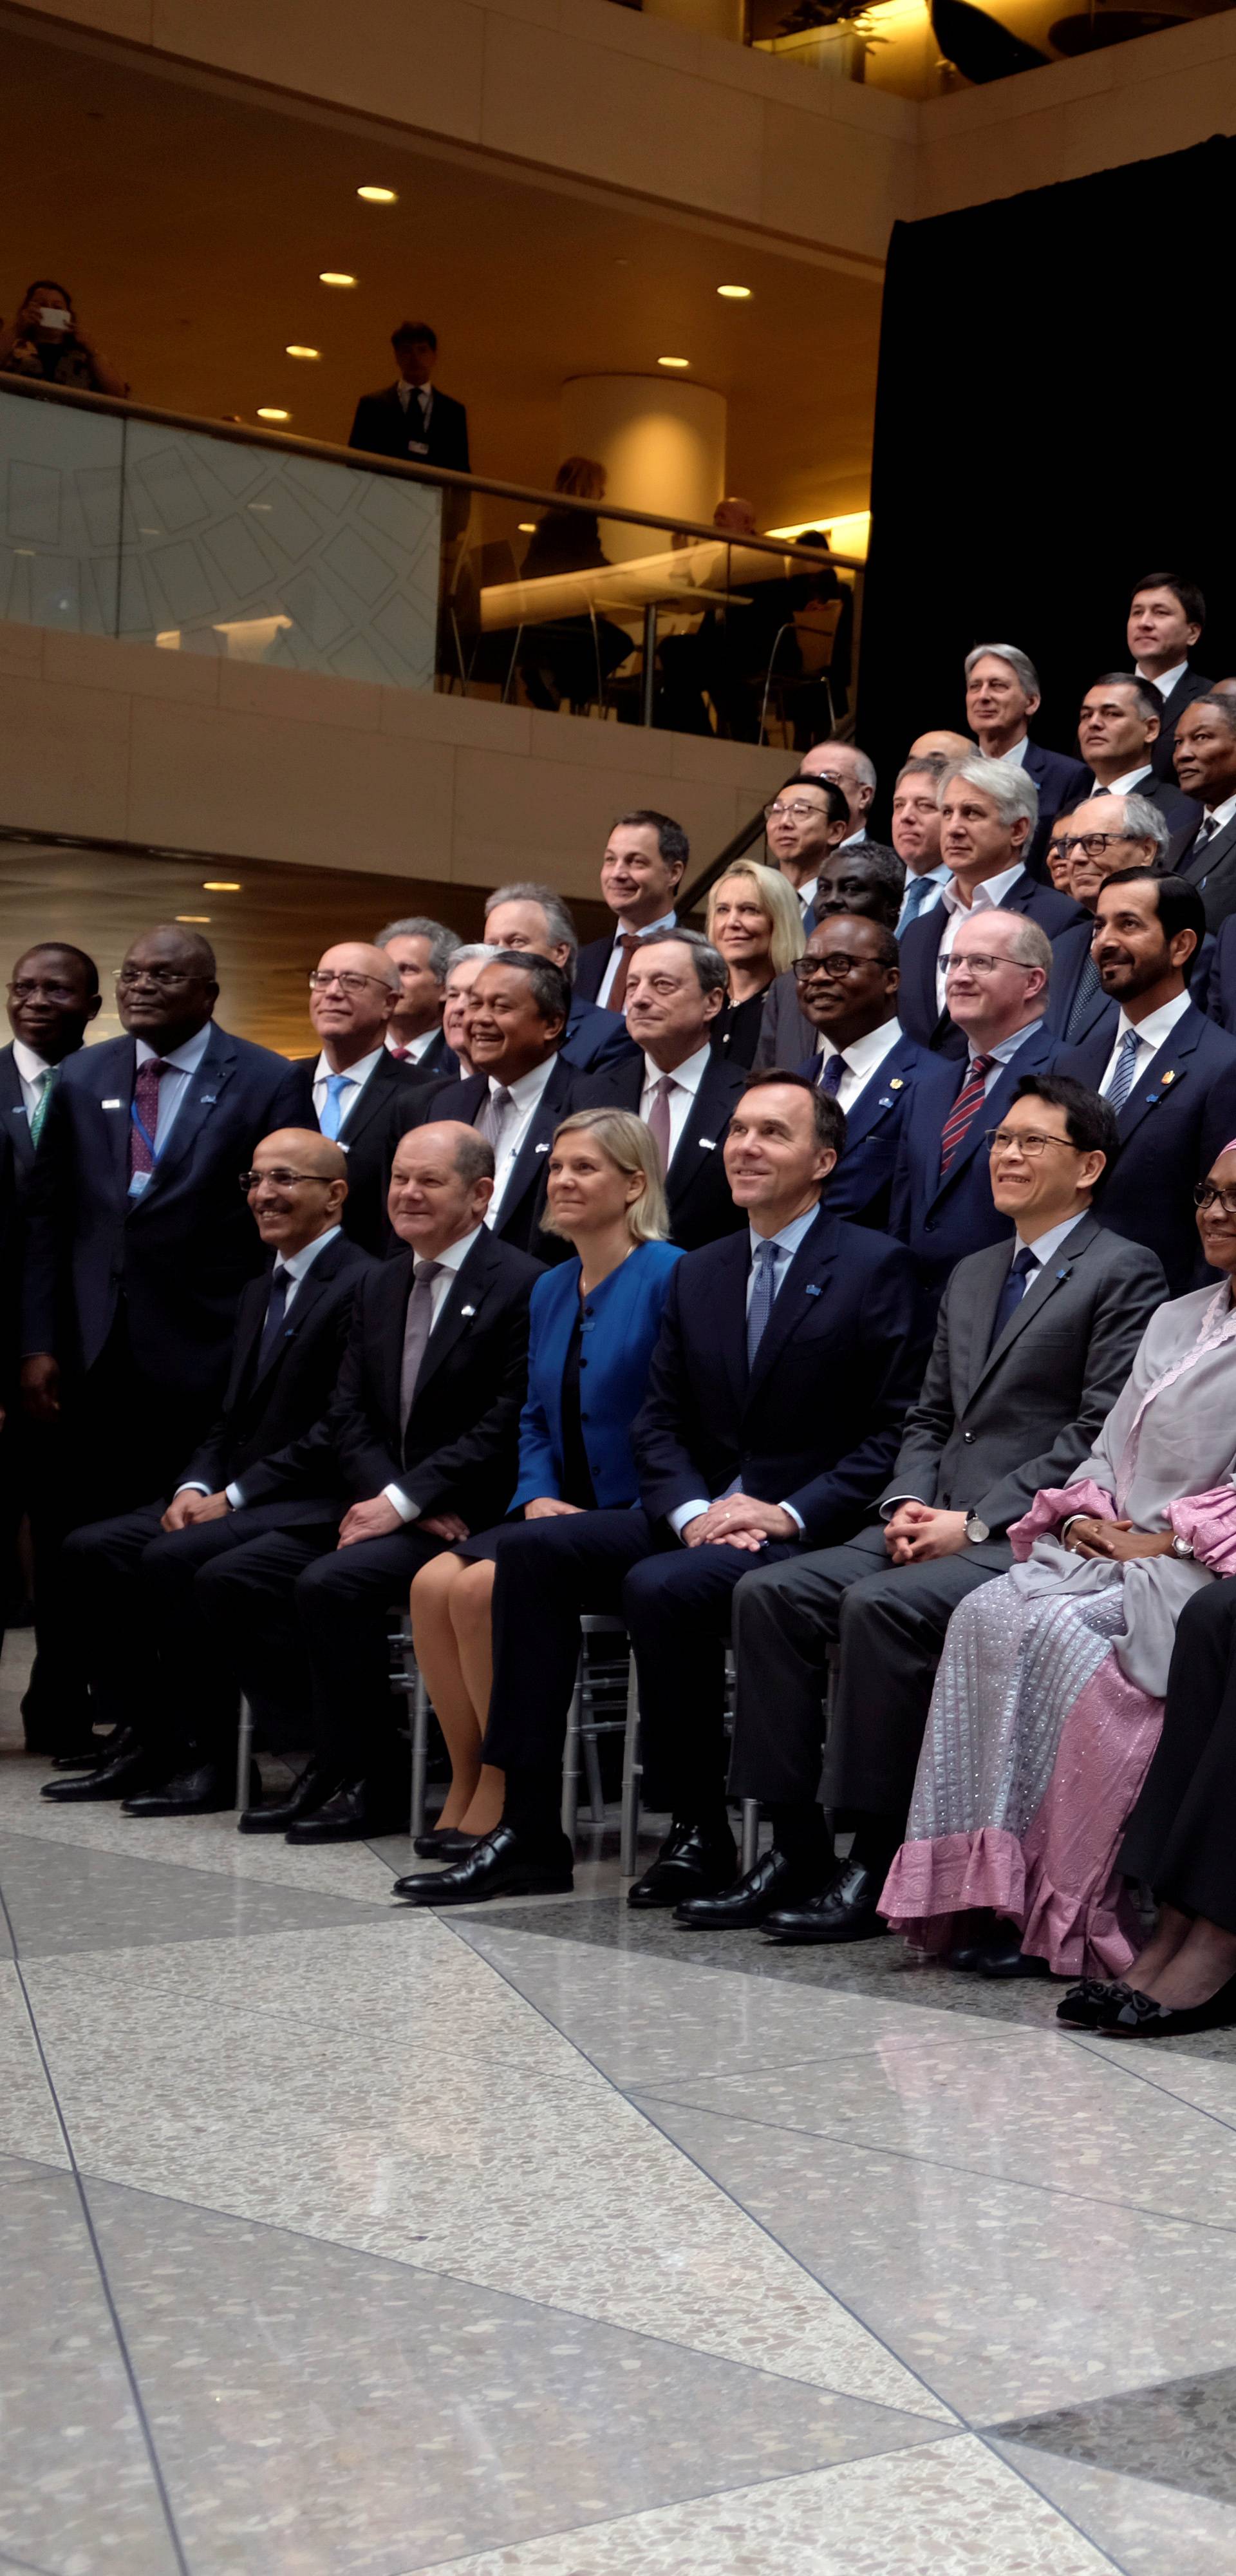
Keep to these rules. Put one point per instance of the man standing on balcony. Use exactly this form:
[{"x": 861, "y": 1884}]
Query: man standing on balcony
[{"x": 411, "y": 418}]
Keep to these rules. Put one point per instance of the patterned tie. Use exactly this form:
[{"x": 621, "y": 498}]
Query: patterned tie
[
  {"x": 331, "y": 1119},
  {"x": 965, "y": 1108},
  {"x": 416, "y": 1334},
  {"x": 1013, "y": 1291},
  {"x": 659, "y": 1117},
  {"x": 626, "y": 941},
  {"x": 1121, "y": 1083},
  {"x": 1201, "y": 841},
  {"x": 1089, "y": 984},
  {"x": 919, "y": 891},
  {"x": 400, "y": 1054},
  {"x": 762, "y": 1294},
  {"x": 493, "y": 1117},
  {"x": 272, "y": 1329},
  {"x": 830, "y": 1079},
  {"x": 39, "y": 1111},
  {"x": 146, "y": 1103}
]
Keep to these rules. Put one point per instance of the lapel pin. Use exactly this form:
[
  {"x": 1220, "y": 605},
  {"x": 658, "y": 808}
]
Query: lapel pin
[
  {"x": 111, "y": 1104},
  {"x": 208, "y": 1098},
  {"x": 543, "y": 1149},
  {"x": 1166, "y": 1078},
  {"x": 885, "y": 1103},
  {"x": 708, "y": 1143},
  {"x": 896, "y": 1082},
  {"x": 812, "y": 1290},
  {"x": 467, "y": 1310},
  {"x": 1151, "y": 1098}
]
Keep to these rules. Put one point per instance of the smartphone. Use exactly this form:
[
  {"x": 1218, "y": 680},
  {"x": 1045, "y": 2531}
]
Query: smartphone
[{"x": 53, "y": 319}]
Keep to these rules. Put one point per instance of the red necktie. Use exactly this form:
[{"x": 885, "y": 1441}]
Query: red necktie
[
  {"x": 965, "y": 1108},
  {"x": 626, "y": 941},
  {"x": 400, "y": 1054},
  {"x": 146, "y": 1103}
]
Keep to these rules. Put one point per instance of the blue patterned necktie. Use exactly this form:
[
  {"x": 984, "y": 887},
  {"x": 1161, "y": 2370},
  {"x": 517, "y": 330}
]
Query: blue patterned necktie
[
  {"x": 831, "y": 1077},
  {"x": 43, "y": 1103},
  {"x": 331, "y": 1119},
  {"x": 918, "y": 892},
  {"x": 272, "y": 1329},
  {"x": 763, "y": 1293},
  {"x": 1089, "y": 983},
  {"x": 1013, "y": 1291},
  {"x": 1121, "y": 1083}
]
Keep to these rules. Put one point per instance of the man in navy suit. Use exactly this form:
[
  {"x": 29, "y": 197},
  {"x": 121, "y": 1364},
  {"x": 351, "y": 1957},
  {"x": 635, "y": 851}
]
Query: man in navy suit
[
  {"x": 1119, "y": 726},
  {"x": 859, "y": 877},
  {"x": 987, "y": 814},
  {"x": 533, "y": 917},
  {"x": 411, "y": 418},
  {"x": 1205, "y": 855},
  {"x": 679, "y": 1084},
  {"x": 1166, "y": 617},
  {"x": 1106, "y": 837},
  {"x": 1002, "y": 696},
  {"x": 998, "y": 983},
  {"x": 806, "y": 821},
  {"x": 916, "y": 833},
  {"x": 356, "y": 1091},
  {"x": 788, "y": 1356},
  {"x": 640, "y": 875},
  {"x": 847, "y": 985},
  {"x": 1168, "y": 1072},
  {"x": 517, "y": 1012},
  {"x": 421, "y": 951}
]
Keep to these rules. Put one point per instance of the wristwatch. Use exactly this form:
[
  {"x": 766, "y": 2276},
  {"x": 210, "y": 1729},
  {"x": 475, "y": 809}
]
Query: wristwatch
[
  {"x": 976, "y": 1530},
  {"x": 1181, "y": 1547}
]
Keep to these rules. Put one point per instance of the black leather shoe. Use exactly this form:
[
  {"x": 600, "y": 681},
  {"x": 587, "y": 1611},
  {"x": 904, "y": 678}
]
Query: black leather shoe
[
  {"x": 357, "y": 1813},
  {"x": 1005, "y": 1957},
  {"x": 773, "y": 1881},
  {"x": 444, "y": 1842},
  {"x": 1133, "y": 2015},
  {"x": 206, "y": 1791},
  {"x": 126, "y": 1773},
  {"x": 694, "y": 1860},
  {"x": 846, "y": 1911},
  {"x": 501, "y": 1864},
  {"x": 1084, "y": 2005},
  {"x": 315, "y": 1785}
]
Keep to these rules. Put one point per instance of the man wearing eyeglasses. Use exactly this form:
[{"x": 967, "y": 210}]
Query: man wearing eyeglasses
[
  {"x": 847, "y": 991},
  {"x": 807, "y": 818},
  {"x": 1106, "y": 837},
  {"x": 988, "y": 811},
  {"x": 357, "y": 1093}
]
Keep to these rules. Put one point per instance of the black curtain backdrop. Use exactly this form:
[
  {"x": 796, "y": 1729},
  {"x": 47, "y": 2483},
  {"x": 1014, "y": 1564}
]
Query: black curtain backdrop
[{"x": 1048, "y": 429}]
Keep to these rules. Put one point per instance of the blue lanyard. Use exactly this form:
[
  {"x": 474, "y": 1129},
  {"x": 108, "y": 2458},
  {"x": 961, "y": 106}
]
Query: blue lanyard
[{"x": 144, "y": 1132}]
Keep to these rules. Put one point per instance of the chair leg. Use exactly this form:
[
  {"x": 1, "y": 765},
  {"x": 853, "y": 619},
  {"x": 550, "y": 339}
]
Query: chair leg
[
  {"x": 570, "y": 1759},
  {"x": 750, "y": 1833},
  {"x": 420, "y": 1752},
  {"x": 592, "y": 1773},
  {"x": 632, "y": 1773},
  {"x": 244, "y": 1753}
]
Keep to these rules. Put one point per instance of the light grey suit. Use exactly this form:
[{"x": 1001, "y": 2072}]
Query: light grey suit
[{"x": 995, "y": 1422}]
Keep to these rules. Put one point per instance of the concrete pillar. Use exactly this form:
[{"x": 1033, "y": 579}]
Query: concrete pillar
[{"x": 661, "y": 441}]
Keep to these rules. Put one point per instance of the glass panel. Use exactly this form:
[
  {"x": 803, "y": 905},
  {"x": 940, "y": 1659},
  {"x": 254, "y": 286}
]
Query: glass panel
[{"x": 59, "y": 515}]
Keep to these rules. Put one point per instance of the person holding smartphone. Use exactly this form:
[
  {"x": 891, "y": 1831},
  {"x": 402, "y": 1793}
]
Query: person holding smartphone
[{"x": 47, "y": 339}]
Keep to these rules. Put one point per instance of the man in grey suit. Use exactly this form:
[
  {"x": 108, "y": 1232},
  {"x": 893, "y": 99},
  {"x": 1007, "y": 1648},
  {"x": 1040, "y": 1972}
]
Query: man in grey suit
[{"x": 1033, "y": 1345}]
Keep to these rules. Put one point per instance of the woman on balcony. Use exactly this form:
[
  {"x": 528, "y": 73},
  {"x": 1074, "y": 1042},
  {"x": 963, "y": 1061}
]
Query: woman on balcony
[{"x": 49, "y": 341}]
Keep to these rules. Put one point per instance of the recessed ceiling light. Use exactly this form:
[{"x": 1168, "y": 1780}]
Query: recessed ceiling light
[
  {"x": 270, "y": 411},
  {"x": 293, "y": 349},
  {"x": 378, "y": 196},
  {"x": 737, "y": 294},
  {"x": 203, "y": 917},
  {"x": 221, "y": 885},
  {"x": 673, "y": 362},
  {"x": 335, "y": 277},
  {"x": 527, "y": 528}
]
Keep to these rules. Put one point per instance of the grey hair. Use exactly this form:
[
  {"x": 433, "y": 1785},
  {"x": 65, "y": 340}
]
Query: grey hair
[
  {"x": 1224, "y": 706},
  {"x": 932, "y": 764},
  {"x": 1017, "y": 661},
  {"x": 1144, "y": 822},
  {"x": 1011, "y": 792},
  {"x": 474, "y": 1157},
  {"x": 864, "y": 768},
  {"x": 559, "y": 926},
  {"x": 443, "y": 943},
  {"x": 470, "y": 948},
  {"x": 1031, "y": 946},
  {"x": 711, "y": 970}
]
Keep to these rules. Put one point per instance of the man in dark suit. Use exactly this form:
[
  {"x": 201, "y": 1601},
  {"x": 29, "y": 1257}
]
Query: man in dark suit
[
  {"x": 788, "y": 1355},
  {"x": 916, "y": 833},
  {"x": 1206, "y": 766},
  {"x": 987, "y": 813},
  {"x": 1166, "y": 617},
  {"x": 1106, "y": 837},
  {"x": 847, "y": 984},
  {"x": 421, "y": 951},
  {"x": 356, "y": 1092},
  {"x": 859, "y": 877},
  {"x": 684, "y": 1090},
  {"x": 1002, "y": 697},
  {"x": 1034, "y": 1342},
  {"x": 152, "y": 1655},
  {"x": 640, "y": 875},
  {"x": 420, "y": 1446},
  {"x": 854, "y": 772},
  {"x": 1169, "y": 1073},
  {"x": 805, "y": 822},
  {"x": 998, "y": 986},
  {"x": 517, "y": 1011},
  {"x": 533, "y": 917},
  {"x": 1119, "y": 725},
  {"x": 411, "y": 418}
]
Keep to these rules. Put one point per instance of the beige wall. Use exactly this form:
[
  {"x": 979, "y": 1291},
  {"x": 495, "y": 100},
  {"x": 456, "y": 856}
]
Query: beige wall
[{"x": 124, "y": 742}]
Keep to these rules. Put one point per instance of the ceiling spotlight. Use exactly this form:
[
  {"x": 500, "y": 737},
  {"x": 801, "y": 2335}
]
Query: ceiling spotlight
[
  {"x": 526, "y": 528},
  {"x": 335, "y": 277},
  {"x": 270, "y": 411},
  {"x": 736, "y": 294},
  {"x": 203, "y": 917},
  {"x": 673, "y": 362},
  {"x": 293, "y": 349},
  {"x": 221, "y": 885},
  {"x": 378, "y": 196}
]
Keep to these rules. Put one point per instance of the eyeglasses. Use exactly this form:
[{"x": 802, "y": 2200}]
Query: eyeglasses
[
  {"x": 1206, "y": 1192},
  {"x": 26, "y": 990},
  {"x": 796, "y": 810},
  {"x": 350, "y": 981},
  {"x": 998, "y": 1138},
  {"x": 280, "y": 1180},
  {"x": 985, "y": 965},
  {"x": 805, "y": 969},
  {"x": 1093, "y": 843},
  {"x": 166, "y": 977}
]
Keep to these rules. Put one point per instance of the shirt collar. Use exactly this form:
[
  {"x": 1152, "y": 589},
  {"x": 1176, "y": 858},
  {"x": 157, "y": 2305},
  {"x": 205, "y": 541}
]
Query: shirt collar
[
  {"x": 1167, "y": 680},
  {"x": 806, "y": 893},
  {"x": 358, "y": 1072},
  {"x": 989, "y": 890},
  {"x": 668, "y": 921},
  {"x": 1223, "y": 813},
  {"x": 1158, "y": 1025},
  {"x": 297, "y": 1263},
  {"x": 866, "y": 1053},
  {"x": 1123, "y": 786},
  {"x": 456, "y": 1253},
  {"x": 526, "y": 1091},
  {"x": 852, "y": 837},
  {"x": 1015, "y": 756},
  {"x": 790, "y": 1236},
  {"x": 1006, "y": 1048},
  {"x": 1045, "y": 1246},
  {"x": 690, "y": 1073},
  {"x": 186, "y": 1058},
  {"x": 30, "y": 1066}
]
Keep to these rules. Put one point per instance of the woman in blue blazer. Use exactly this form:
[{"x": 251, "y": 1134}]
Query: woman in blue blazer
[{"x": 600, "y": 1312}]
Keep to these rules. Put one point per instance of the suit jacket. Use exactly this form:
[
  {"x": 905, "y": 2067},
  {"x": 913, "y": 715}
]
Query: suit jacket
[
  {"x": 595, "y": 1038},
  {"x": 700, "y": 1206},
  {"x": 523, "y": 1200},
  {"x": 1172, "y": 1125},
  {"x": 439, "y": 1063},
  {"x": 1186, "y": 690},
  {"x": 1219, "y": 997},
  {"x": 996, "y": 1421},
  {"x": 591, "y": 963},
  {"x": 14, "y": 1123},
  {"x": 1060, "y": 782},
  {"x": 621, "y": 1321},
  {"x": 861, "y": 1186},
  {"x": 1069, "y": 955},
  {"x": 16, "y": 1164},
  {"x": 917, "y": 1008},
  {"x": 384, "y": 428},
  {"x": 817, "y": 1420},
  {"x": 263, "y": 1409},
  {"x": 1177, "y": 809},
  {"x": 460, "y": 1449},
  {"x": 369, "y": 1138},
  {"x": 180, "y": 1254},
  {"x": 1213, "y": 871},
  {"x": 943, "y": 1218},
  {"x": 786, "y": 1034}
]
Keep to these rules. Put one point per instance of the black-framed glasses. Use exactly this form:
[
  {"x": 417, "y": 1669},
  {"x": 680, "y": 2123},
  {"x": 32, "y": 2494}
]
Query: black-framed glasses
[
  {"x": 1205, "y": 1194},
  {"x": 836, "y": 963},
  {"x": 1031, "y": 1143},
  {"x": 280, "y": 1180},
  {"x": 350, "y": 980},
  {"x": 1093, "y": 843}
]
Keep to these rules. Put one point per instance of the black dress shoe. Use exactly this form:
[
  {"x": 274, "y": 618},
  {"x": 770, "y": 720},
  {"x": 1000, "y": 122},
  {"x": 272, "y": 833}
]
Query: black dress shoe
[
  {"x": 315, "y": 1785},
  {"x": 120, "y": 1778},
  {"x": 357, "y": 1813},
  {"x": 1084, "y": 2005},
  {"x": 694, "y": 1860},
  {"x": 83, "y": 1760},
  {"x": 1005, "y": 1957},
  {"x": 1133, "y": 2015},
  {"x": 846, "y": 1911},
  {"x": 773, "y": 1881},
  {"x": 207, "y": 1791},
  {"x": 444, "y": 1842},
  {"x": 501, "y": 1864}
]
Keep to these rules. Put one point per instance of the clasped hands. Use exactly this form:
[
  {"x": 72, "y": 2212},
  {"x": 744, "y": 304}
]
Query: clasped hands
[
  {"x": 1119, "y": 1541},
  {"x": 915, "y": 1534},
  {"x": 739, "y": 1520}
]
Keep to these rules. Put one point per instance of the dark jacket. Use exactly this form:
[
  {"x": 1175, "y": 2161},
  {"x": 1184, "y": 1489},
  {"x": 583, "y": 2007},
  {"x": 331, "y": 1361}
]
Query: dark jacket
[
  {"x": 263, "y": 1411},
  {"x": 1060, "y": 781},
  {"x": 943, "y": 1218},
  {"x": 1186, "y": 690},
  {"x": 1174, "y": 1122},
  {"x": 591, "y": 963},
  {"x": 917, "y": 1008},
  {"x": 1068, "y": 964},
  {"x": 523, "y": 1200},
  {"x": 861, "y": 1186},
  {"x": 384, "y": 428},
  {"x": 369, "y": 1138},
  {"x": 1179, "y": 812},
  {"x": 595, "y": 1038},
  {"x": 700, "y": 1206},
  {"x": 1213, "y": 871}
]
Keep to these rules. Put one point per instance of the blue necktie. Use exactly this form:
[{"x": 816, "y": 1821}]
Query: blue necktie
[
  {"x": 1121, "y": 1083},
  {"x": 1013, "y": 1291},
  {"x": 1089, "y": 983},
  {"x": 272, "y": 1329},
  {"x": 918, "y": 892},
  {"x": 762, "y": 1295},
  {"x": 831, "y": 1077},
  {"x": 331, "y": 1119}
]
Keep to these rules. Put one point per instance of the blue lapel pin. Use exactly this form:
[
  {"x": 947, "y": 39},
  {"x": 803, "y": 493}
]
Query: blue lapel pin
[
  {"x": 812, "y": 1290},
  {"x": 208, "y": 1098}
]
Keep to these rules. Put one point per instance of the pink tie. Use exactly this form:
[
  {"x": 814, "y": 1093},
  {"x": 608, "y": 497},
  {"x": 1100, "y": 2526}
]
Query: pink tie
[
  {"x": 146, "y": 1103},
  {"x": 659, "y": 1118}
]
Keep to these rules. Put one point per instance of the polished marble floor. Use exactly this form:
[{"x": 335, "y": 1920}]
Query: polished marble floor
[{"x": 546, "y": 2240}]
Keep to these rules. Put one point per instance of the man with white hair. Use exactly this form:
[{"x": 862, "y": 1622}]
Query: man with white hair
[
  {"x": 355, "y": 1091},
  {"x": 850, "y": 769},
  {"x": 422, "y": 950},
  {"x": 988, "y": 810},
  {"x": 1104, "y": 838},
  {"x": 1002, "y": 694},
  {"x": 533, "y": 917}
]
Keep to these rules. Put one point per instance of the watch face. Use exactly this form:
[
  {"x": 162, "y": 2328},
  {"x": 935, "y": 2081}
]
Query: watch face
[{"x": 976, "y": 1530}]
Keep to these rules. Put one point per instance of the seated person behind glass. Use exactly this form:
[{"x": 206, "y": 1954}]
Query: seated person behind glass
[
  {"x": 560, "y": 659},
  {"x": 47, "y": 340}
]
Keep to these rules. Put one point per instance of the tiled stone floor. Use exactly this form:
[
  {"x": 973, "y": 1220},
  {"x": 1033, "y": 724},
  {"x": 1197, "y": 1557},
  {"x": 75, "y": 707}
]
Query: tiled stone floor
[{"x": 544, "y": 2240}]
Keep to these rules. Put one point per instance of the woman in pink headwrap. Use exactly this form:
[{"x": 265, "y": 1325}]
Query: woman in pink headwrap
[{"x": 1049, "y": 1697}]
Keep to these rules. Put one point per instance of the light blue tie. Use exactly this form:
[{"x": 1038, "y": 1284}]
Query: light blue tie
[
  {"x": 1121, "y": 1083},
  {"x": 331, "y": 1119},
  {"x": 918, "y": 892},
  {"x": 762, "y": 1295}
]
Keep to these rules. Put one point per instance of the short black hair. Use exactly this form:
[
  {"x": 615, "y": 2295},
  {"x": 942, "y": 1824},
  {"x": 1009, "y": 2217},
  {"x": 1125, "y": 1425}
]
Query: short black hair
[
  {"x": 888, "y": 953},
  {"x": 551, "y": 989},
  {"x": 1180, "y": 906},
  {"x": 56, "y": 288},
  {"x": 672, "y": 841},
  {"x": 1186, "y": 592},
  {"x": 882, "y": 884},
  {"x": 837, "y": 804},
  {"x": 1090, "y": 1122},
  {"x": 829, "y": 1114},
  {"x": 64, "y": 948},
  {"x": 1150, "y": 699},
  {"x": 414, "y": 331}
]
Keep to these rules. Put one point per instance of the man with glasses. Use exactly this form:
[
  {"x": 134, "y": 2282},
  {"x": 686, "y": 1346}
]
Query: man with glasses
[
  {"x": 1106, "y": 837},
  {"x": 151, "y": 1653},
  {"x": 988, "y": 811},
  {"x": 1035, "y": 1339},
  {"x": 1119, "y": 725},
  {"x": 847, "y": 991},
  {"x": 857, "y": 877},
  {"x": 356, "y": 1091},
  {"x": 806, "y": 820}
]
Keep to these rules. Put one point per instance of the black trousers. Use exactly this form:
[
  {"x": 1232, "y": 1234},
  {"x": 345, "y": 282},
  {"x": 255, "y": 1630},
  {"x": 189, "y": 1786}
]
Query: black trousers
[
  {"x": 297, "y": 1615},
  {"x": 676, "y": 1604},
  {"x": 1181, "y": 1836},
  {"x": 889, "y": 1621}
]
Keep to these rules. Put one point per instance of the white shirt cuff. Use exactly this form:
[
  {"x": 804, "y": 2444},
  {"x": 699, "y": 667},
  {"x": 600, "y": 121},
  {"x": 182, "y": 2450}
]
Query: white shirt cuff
[
  {"x": 400, "y": 1502},
  {"x": 895, "y": 1502},
  {"x": 191, "y": 1486},
  {"x": 234, "y": 1496},
  {"x": 687, "y": 1512},
  {"x": 797, "y": 1518}
]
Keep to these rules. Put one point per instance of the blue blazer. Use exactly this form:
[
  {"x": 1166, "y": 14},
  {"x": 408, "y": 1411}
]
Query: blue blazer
[
  {"x": 1174, "y": 1122},
  {"x": 621, "y": 1322},
  {"x": 1218, "y": 998},
  {"x": 917, "y": 1008},
  {"x": 595, "y": 1038},
  {"x": 861, "y": 1186},
  {"x": 942, "y": 1219},
  {"x": 1069, "y": 954}
]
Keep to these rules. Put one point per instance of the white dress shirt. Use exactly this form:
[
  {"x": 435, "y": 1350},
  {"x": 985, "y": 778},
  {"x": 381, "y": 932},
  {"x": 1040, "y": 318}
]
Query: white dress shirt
[
  {"x": 852, "y": 837},
  {"x": 863, "y": 1059},
  {"x": 668, "y": 921},
  {"x": 988, "y": 895},
  {"x": 1016, "y": 753},
  {"x": 294, "y": 1269},
  {"x": 448, "y": 1263},
  {"x": 1220, "y": 815},
  {"x": 32, "y": 1072},
  {"x": 355, "y": 1075},
  {"x": 182, "y": 1064},
  {"x": 1004, "y": 1052},
  {"x": 1123, "y": 786},
  {"x": 525, "y": 1096},
  {"x": 786, "y": 1244},
  {"x": 806, "y": 895},
  {"x": 935, "y": 878},
  {"x": 1152, "y": 1033},
  {"x": 421, "y": 395},
  {"x": 686, "y": 1079},
  {"x": 415, "y": 1048},
  {"x": 1166, "y": 682}
]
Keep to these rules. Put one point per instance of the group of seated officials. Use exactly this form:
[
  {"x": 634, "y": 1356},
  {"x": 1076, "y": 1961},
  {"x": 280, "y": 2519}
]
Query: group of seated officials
[{"x": 848, "y": 1285}]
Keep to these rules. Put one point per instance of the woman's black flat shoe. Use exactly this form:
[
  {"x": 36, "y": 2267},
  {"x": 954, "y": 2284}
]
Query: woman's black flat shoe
[
  {"x": 1084, "y": 2005},
  {"x": 1138, "y": 2016}
]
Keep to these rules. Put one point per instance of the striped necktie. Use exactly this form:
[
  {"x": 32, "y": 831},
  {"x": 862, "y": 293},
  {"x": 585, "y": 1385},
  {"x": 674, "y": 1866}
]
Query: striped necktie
[
  {"x": 965, "y": 1108},
  {"x": 1121, "y": 1083},
  {"x": 1089, "y": 983}
]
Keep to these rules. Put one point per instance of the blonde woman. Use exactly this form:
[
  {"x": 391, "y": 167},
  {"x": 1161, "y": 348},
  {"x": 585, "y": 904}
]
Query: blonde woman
[
  {"x": 754, "y": 919},
  {"x": 600, "y": 1312}
]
